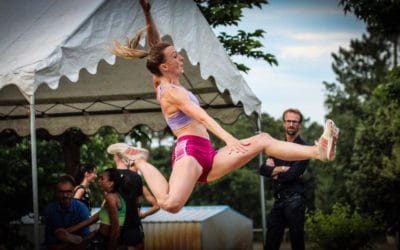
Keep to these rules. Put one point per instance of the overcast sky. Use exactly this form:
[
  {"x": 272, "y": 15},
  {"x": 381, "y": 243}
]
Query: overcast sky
[{"x": 302, "y": 34}]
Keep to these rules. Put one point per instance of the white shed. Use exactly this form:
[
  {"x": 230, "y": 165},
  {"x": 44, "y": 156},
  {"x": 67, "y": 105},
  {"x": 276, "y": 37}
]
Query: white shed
[{"x": 198, "y": 227}]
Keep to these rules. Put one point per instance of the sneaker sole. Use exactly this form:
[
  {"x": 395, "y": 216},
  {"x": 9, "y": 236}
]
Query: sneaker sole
[{"x": 331, "y": 140}]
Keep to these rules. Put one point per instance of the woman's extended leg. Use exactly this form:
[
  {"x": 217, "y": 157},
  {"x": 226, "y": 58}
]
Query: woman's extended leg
[
  {"x": 226, "y": 161},
  {"x": 171, "y": 196}
]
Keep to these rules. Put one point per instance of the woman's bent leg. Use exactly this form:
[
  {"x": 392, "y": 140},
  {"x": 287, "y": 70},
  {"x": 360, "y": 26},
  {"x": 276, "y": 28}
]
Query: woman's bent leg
[
  {"x": 155, "y": 180},
  {"x": 182, "y": 181},
  {"x": 171, "y": 196}
]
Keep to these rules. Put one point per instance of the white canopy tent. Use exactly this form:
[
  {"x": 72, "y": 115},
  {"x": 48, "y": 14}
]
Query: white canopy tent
[{"x": 56, "y": 72}]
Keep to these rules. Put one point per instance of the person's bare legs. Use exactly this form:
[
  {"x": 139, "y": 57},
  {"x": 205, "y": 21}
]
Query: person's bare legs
[
  {"x": 171, "y": 195},
  {"x": 324, "y": 150},
  {"x": 225, "y": 161}
]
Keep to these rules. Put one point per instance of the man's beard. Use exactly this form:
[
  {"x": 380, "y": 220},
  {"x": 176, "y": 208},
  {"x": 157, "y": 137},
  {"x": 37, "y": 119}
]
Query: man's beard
[{"x": 291, "y": 131}]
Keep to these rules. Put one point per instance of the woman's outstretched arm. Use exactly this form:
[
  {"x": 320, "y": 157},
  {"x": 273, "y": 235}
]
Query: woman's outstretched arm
[{"x": 153, "y": 36}]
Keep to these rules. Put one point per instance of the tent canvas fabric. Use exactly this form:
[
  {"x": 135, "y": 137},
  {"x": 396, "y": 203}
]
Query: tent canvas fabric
[{"x": 57, "y": 50}]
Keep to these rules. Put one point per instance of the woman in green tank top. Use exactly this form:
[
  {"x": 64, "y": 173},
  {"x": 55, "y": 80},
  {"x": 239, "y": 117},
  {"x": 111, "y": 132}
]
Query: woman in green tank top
[{"x": 111, "y": 215}]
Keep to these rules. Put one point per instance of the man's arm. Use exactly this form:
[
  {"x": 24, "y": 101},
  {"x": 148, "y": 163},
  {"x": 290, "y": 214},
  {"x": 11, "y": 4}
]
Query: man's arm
[
  {"x": 295, "y": 171},
  {"x": 85, "y": 223},
  {"x": 268, "y": 169}
]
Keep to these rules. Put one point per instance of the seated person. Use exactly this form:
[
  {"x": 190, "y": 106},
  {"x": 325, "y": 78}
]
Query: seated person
[{"x": 64, "y": 213}]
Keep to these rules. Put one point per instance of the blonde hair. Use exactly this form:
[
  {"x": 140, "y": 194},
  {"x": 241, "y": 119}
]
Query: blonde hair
[
  {"x": 130, "y": 50},
  {"x": 155, "y": 56}
]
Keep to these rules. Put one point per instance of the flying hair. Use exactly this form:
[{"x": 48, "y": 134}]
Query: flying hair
[
  {"x": 130, "y": 51},
  {"x": 155, "y": 56}
]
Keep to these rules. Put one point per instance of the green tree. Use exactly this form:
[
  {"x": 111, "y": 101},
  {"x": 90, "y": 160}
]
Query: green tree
[
  {"x": 381, "y": 16},
  {"x": 376, "y": 158},
  {"x": 359, "y": 69},
  {"x": 227, "y": 13},
  {"x": 342, "y": 228},
  {"x": 364, "y": 103}
]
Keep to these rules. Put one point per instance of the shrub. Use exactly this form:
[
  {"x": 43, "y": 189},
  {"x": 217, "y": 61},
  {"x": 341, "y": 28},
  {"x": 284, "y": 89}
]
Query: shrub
[{"x": 342, "y": 229}]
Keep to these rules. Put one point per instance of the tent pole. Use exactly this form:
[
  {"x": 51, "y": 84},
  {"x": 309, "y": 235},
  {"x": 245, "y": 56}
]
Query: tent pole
[
  {"x": 262, "y": 194},
  {"x": 34, "y": 173}
]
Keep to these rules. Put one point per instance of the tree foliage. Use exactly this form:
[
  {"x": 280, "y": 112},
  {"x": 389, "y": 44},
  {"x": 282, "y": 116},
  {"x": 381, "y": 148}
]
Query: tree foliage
[
  {"x": 219, "y": 12},
  {"x": 358, "y": 70},
  {"x": 376, "y": 157},
  {"x": 364, "y": 103},
  {"x": 228, "y": 13},
  {"x": 381, "y": 16},
  {"x": 342, "y": 228}
]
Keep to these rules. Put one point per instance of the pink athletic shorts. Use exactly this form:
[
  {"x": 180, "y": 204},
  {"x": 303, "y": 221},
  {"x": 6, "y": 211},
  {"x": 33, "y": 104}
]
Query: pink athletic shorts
[{"x": 199, "y": 148}]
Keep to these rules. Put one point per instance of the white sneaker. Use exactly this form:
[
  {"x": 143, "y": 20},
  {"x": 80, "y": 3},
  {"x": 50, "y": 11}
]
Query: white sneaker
[
  {"x": 128, "y": 154},
  {"x": 327, "y": 141}
]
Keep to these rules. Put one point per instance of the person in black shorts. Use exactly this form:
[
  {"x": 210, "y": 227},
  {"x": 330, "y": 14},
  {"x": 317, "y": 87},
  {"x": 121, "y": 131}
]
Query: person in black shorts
[{"x": 133, "y": 190}]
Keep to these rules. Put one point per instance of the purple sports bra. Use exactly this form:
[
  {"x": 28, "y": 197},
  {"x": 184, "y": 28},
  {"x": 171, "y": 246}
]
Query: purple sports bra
[{"x": 179, "y": 119}]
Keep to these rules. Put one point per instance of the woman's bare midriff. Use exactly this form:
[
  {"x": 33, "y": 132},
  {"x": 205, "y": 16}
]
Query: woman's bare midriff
[{"x": 193, "y": 128}]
